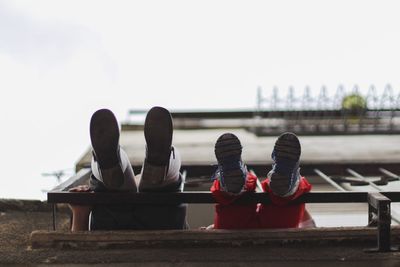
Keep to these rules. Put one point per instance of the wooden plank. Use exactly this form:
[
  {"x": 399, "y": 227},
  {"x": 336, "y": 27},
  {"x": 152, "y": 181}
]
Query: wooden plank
[{"x": 190, "y": 238}]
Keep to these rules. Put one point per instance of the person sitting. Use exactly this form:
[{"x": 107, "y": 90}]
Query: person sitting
[
  {"x": 283, "y": 185},
  {"x": 112, "y": 172}
]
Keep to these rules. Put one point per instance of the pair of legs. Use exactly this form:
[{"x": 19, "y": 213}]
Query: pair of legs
[
  {"x": 283, "y": 184},
  {"x": 112, "y": 171}
]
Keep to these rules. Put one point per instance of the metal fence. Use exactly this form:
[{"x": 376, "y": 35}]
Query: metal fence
[
  {"x": 323, "y": 99},
  {"x": 379, "y": 211},
  {"x": 322, "y": 113}
]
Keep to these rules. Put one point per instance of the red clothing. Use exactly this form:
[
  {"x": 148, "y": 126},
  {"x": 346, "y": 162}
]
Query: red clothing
[
  {"x": 280, "y": 214},
  {"x": 234, "y": 216}
]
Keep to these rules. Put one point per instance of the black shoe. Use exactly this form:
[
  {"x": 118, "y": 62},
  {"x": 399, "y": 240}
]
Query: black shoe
[
  {"x": 104, "y": 135},
  {"x": 285, "y": 173},
  {"x": 158, "y": 134},
  {"x": 158, "y": 131},
  {"x": 231, "y": 170}
]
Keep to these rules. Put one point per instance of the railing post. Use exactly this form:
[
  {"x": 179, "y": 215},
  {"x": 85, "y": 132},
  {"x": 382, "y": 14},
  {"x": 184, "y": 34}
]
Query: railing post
[
  {"x": 379, "y": 214},
  {"x": 372, "y": 217},
  {"x": 384, "y": 220},
  {"x": 54, "y": 216}
]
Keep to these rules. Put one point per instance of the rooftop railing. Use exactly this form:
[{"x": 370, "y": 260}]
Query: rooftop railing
[
  {"x": 345, "y": 112},
  {"x": 379, "y": 212},
  {"x": 306, "y": 113}
]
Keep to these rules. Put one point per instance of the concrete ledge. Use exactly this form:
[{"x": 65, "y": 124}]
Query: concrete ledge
[
  {"x": 24, "y": 205},
  {"x": 208, "y": 239}
]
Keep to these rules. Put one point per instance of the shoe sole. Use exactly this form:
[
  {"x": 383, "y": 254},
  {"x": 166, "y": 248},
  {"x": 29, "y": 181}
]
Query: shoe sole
[
  {"x": 104, "y": 135},
  {"x": 286, "y": 147},
  {"x": 228, "y": 149},
  {"x": 158, "y": 130}
]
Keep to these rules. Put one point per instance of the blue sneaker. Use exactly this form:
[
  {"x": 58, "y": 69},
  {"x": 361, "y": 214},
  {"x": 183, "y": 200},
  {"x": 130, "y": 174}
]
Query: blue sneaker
[
  {"x": 285, "y": 173},
  {"x": 231, "y": 170}
]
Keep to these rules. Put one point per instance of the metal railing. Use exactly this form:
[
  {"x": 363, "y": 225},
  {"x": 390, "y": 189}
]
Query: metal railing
[
  {"x": 321, "y": 113},
  {"x": 379, "y": 212},
  {"x": 304, "y": 113},
  {"x": 308, "y": 99}
]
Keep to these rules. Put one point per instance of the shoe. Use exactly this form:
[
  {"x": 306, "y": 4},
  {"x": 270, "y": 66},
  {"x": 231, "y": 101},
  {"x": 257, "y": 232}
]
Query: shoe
[
  {"x": 158, "y": 131},
  {"x": 110, "y": 164},
  {"x": 158, "y": 134},
  {"x": 285, "y": 173},
  {"x": 231, "y": 171}
]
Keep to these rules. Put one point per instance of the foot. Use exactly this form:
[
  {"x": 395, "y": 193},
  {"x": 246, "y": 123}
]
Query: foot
[
  {"x": 158, "y": 131},
  {"x": 231, "y": 170},
  {"x": 104, "y": 135},
  {"x": 158, "y": 134},
  {"x": 285, "y": 173}
]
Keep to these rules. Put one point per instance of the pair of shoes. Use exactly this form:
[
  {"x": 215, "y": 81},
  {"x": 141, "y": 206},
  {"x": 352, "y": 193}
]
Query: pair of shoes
[
  {"x": 111, "y": 165},
  {"x": 285, "y": 173}
]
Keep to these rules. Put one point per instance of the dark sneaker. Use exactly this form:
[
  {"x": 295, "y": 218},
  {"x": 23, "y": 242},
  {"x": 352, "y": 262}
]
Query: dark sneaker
[
  {"x": 285, "y": 173},
  {"x": 110, "y": 165},
  {"x": 158, "y": 131},
  {"x": 231, "y": 171}
]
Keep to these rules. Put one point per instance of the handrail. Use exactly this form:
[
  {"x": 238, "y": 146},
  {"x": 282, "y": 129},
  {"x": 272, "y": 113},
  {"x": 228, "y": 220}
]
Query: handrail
[
  {"x": 378, "y": 202},
  {"x": 203, "y": 197}
]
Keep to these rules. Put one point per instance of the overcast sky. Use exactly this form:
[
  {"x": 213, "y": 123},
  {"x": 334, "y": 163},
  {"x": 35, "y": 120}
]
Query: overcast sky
[{"x": 62, "y": 60}]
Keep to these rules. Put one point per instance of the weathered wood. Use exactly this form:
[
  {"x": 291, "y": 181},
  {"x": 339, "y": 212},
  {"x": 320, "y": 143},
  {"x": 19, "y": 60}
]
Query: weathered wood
[{"x": 201, "y": 238}]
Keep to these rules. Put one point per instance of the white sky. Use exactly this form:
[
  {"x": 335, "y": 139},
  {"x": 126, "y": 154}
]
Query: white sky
[{"x": 62, "y": 60}]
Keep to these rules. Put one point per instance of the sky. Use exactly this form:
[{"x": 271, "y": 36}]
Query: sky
[{"x": 62, "y": 60}]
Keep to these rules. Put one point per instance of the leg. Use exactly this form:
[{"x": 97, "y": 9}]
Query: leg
[
  {"x": 80, "y": 218},
  {"x": 171, "y": 177},
  {"x": 231, "y": 181},
  {"x": 281, "y": 213},
  {"x": 162, "y": 163},
  {"x": 307, "y": 221},
  {"x": 160, "y": 173},
  {"x": 80, "y": 214},
  {"x": 284, "y": 184},
  {"x": 111, "y": 171},
  {"x": 117, "y": 178}
]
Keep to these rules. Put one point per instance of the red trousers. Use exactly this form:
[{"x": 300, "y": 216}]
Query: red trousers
[{"x": 280, "y": 214}]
